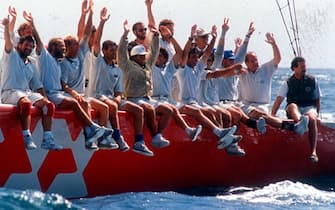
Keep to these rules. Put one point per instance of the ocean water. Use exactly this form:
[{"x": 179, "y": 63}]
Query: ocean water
[{"x": 315, "y": 193}]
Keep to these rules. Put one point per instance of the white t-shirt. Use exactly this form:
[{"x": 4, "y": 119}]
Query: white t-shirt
[{"x": 255, "y": 88}]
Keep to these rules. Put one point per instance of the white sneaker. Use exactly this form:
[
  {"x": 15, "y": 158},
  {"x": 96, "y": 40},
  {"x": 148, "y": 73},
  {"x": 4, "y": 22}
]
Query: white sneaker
[
  {"x": 107, "y": 143},
  {"x": 195, "y": 133},
  {"x": 302, "y": 126},
  {"x": 91, "y": 145},
  {"x": 234, "y": 149},
  {"x": 226, "y": 137},
  {"x": 49, "y": 143},
  {"x": 140, "y": 148},
  {"x": 261, "y": 125},
  {"x": 123, "y": 146},
  {"x": 92, "y": 136},
  {"x": 159, "y": 141},
  {"x": 28, "y": 142}
]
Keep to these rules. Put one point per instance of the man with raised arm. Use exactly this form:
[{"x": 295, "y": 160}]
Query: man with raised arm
[
  {"x": 21, "y": 86},
  {"x": 108, "y": 87},
  {"x": 162, "y": 74},
  {"x": 303, "y": 100},
  {"x": 49, "y": 64},
  {"x": 137, "y": 70},
  {"x": 190, "y": 77},
  {"x": 73, "y": 82}
]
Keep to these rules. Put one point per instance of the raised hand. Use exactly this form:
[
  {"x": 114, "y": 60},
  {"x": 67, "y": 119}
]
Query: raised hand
[
  {"x": 251, "y": 29},
  {"x": 5, "y": 21},
  {"x": 126, "y": 28},
  {"x": 84, "y": 7},
  {"x": 28, "y": 17},
  {"x": 225, "y": 25},
  {"x": 148, "y": 2},
  {"x": 270, "y": 38},
  {"x": 104, "y": 16},
  {"x": 12, "y": 11},
  {"x": 165, "y": 31},
  {"x": 214, "y": 32},
  {"x": 238, "y": 42},
  {"x": 194, "y": 31}
]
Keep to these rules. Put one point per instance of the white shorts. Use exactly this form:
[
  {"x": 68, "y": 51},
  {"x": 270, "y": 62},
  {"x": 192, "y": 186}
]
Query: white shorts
[
  {"x": 249, "y": 108},
  {"x": 145, "y": 100},
  {"x": 308, "y": 110},
  {"x": 165, "y": 100},
  {"x": 58, "y": 96},
  {"x": 13, "y": 96},
  {"x": 104, "y": 97}
]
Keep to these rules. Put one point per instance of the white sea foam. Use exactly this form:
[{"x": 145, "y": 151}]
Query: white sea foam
[{"x": 284, "y": 193}]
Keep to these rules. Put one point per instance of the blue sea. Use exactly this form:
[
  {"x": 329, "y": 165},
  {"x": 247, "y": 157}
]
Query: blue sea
[{"x": 314, "y": 193}]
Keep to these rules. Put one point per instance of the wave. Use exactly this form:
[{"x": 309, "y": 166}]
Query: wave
[
  {"x": 285, "y": 193},
  {"x": 30, "y": 199}
]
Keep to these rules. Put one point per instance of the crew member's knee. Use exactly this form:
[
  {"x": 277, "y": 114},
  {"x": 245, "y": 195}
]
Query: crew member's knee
[
  {"x": 48, "y": 109},
  {"x": 25, "y": 108}
]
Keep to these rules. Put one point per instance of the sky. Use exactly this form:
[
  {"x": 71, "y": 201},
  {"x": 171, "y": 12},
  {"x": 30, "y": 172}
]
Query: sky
[{"x": 315, "y": 21}]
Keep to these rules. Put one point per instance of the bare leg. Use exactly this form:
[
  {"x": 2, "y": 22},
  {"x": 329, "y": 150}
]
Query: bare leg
[
  {"x": 138, "y": 114},
  {"x": 104, "y": 112},
  {"x": 70, "y": 103},
  {"x": 113, "y": 117},
  {"x": 25, "y": 118},
  {"x": 46, "y": 119},
  {"x": 165, "y": 113},
  {"x": 150, "y": 117},
  {"x": 197, "y": 114}
]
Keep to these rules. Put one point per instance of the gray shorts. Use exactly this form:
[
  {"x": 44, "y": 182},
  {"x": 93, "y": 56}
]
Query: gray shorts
[
  {"x": 145, "y": 100},
  {"x": 104, "y": 97},
  {"x": 13, "y": 96},
  {"x": 58, "y": 96}
]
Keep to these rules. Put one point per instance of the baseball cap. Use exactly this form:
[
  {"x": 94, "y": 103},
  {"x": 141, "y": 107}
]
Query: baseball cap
[
  {"x": 201, "y": 32},
  {"x": 138, "y": 50},
  {"x": 229, "y": 54}
]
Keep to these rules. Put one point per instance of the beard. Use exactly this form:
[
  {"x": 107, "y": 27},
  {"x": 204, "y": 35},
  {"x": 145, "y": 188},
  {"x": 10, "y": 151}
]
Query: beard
[{"x": 59, "y": 54}]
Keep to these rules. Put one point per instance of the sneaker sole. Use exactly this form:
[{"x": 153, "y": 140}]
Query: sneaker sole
[
  {"x": 108, "y": 147},
  {"x": 143, "y": 153},
  {"x": 237, "y": 139},
  {"x": 227, "y": 139},
  {"x": 160, "y": 145}
]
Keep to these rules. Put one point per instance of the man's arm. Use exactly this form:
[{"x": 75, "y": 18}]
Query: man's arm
[
  {"x": 226, "y": 72},
  {"x": 188, "y": 45},
  {"x": 122, "y": 50},
  {"x": 151, "y": 24},
  {"x": 104, "y": 16},
  {"x": 165, "y": 32},
  {"x": 8, "y": 41},
  {"x": 242, "y": 51},
  {"x": 220, "y": 47},
  {"x": 210, "y": 47},
  {"x": 276, "y": 105},
  {"x": 276, "y": 53},
  {"x": 81, "y": 24},
  {"x": 29, "y": 18},
  {"x": 13, "y": 14}
]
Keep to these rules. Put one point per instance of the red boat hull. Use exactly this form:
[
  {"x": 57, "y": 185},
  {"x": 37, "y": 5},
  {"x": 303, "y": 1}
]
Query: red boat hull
[{"x": 76, "y": 172}]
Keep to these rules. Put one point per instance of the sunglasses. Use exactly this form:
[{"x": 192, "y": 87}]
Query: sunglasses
[{"x": 142, "y": 30}]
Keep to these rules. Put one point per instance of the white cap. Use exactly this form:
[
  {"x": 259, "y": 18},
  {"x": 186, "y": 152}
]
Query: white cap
[
  {"x": 138, "y": 50},
  {"x": 201, "y": 32}
]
